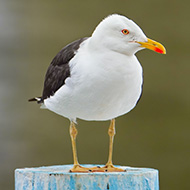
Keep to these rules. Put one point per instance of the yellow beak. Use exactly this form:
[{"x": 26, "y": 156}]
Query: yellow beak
[{"x": 153, "y": 45}]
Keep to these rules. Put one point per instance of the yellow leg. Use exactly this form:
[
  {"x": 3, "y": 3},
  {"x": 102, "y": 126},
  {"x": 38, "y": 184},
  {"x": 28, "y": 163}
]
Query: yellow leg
[
  {"x": 109, "y": 165},
  {"x": 76, "y": 166},
  {"x": 73, "y": 134},
  {"x": 111, "y": 133}
]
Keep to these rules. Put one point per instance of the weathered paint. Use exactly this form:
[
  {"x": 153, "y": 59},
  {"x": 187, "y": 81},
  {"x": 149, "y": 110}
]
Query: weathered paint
[{"x": 59, "y": 178}]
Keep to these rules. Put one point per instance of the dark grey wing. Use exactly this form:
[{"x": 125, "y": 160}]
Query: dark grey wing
[{"x": 59, "y": 69}]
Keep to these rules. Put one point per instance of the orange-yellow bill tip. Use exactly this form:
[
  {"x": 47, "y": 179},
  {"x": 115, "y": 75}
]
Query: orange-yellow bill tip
[{"x": 153, "y": 45}]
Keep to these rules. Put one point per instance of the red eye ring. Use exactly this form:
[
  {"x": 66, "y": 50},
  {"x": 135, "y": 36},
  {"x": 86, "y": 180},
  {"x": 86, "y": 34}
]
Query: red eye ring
[{"x": 125, "y": 31}]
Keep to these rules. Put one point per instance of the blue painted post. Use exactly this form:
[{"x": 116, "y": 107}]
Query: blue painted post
[{"x": 59, "y": 178}]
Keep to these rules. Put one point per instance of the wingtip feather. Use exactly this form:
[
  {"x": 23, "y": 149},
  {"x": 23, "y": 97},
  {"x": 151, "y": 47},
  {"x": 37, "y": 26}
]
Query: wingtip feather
[{"x": 36, "y": 99}]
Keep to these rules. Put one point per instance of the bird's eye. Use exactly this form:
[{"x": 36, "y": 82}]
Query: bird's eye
[{"x": 125, "y": 31}]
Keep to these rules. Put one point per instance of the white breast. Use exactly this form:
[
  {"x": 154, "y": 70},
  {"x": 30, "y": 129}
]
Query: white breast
[{"x": 101, "y": 87}]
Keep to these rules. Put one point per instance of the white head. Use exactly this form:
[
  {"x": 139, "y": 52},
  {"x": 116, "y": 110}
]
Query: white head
[{"x": 118, "y": 33}]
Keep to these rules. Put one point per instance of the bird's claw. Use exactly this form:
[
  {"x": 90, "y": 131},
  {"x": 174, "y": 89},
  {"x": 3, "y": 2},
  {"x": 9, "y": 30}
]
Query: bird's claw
[
  {"x": 80, "y": 169},
  {"x": 107, "y": 168}
]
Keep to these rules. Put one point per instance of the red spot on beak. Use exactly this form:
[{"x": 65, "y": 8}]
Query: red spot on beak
[{"x": 159, "y": 50}]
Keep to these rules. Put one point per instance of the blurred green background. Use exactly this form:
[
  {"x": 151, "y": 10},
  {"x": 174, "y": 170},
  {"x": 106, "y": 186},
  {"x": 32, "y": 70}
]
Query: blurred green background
[{"x": 155, "y": 134}]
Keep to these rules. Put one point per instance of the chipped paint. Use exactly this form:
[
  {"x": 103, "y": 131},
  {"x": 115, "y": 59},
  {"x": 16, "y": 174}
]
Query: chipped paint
[{"x": 59, "y": 178}]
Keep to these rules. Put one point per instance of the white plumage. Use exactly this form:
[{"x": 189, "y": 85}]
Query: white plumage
[
  {"x": 98, "y": 78},
  {"x": 106, "y": 77}
]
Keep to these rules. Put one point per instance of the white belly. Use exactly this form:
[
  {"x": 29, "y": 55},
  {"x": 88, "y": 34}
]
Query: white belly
[{"x": 98, "y": 90}]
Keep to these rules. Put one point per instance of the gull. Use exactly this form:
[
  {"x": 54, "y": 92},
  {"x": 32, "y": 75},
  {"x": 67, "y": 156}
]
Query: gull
[{"x": 98, "y": 78}]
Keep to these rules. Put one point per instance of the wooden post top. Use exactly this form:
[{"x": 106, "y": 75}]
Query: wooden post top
[{"x": 59, "y": 178}]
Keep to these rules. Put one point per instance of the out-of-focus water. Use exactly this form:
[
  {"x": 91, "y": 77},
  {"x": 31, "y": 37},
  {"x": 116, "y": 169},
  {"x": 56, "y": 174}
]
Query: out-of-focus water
[{"x": 155, "y": 134}]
